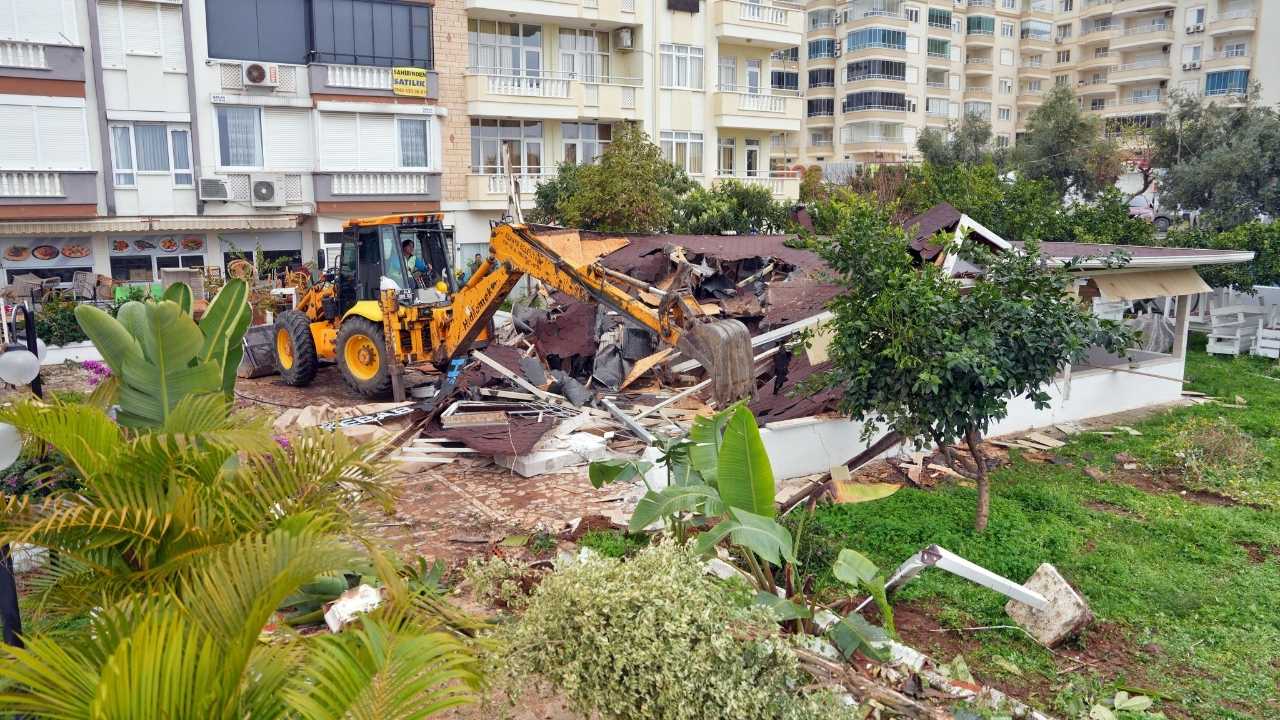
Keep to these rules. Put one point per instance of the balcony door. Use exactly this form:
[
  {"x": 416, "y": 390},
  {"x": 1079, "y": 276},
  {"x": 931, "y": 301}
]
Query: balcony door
[
  {"x": 584, "y": 55},
  {"x": 752, "y": 164},
  {"x": 728, "y": 79},
  {"x": 754, "y": 73}
]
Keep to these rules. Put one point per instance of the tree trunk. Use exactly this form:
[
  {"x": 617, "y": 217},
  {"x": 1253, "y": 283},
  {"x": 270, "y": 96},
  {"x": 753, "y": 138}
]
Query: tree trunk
[{"x": 984, "y": 489}]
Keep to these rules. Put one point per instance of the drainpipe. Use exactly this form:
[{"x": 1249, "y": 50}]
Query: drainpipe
[
  {"x": 108, "y": 175},
  {"x": 192, "y": 105}
]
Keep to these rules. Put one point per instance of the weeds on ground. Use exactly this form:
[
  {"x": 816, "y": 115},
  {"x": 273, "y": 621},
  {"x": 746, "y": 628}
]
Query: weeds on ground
[
  {"x": 499, "y": 582},
  {"x": 1214, "y": 454},
  {"x": 613, "y": 543}
]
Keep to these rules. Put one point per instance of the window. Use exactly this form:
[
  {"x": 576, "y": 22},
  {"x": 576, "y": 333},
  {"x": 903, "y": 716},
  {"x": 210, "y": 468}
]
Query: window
[
  {"x": 1006, "y": 29},
  {"x": 1009, "y": 4},
  {"x": 823, "y": 48},
  {"x": 387, "y": 33},
  {"x": 786, "y": 55},
  {"x": 937, "y": 107},
  {"x": 1063, "y": 31},
  {"x": 151, "y": 149},
  {"x": 1191, "y": 53},
  {"x": 728, "y": 72},
  {"x": 1002, "y": 141},
  {"x": 822, "y": 77},
  {"x": 1006, "y": 86},
  {"x": 957, "y": 24},
  {"x": 1061, "y": 80},
  {"x": 820, "y": 136},
  {"x": 876, "y": 69},
  {"x": 1236, "y": 49},
  {"x": 263, "y": 30},
  {"x": 1066, "y": 6},
  {"x": 491, "y": 137},
  {"x": 413, "y": 142},
  {"x": 42, "y": 137},
  {"x": 1036, "y": 30},
  {"x": 239, "y": 136},
  {"x": 939, "y": 48},
  {"x": 912, "y": 14},
  {"x": 725, "y": 158},
  {"x": 824, "y": 18},
  {"x": 683, "y": 149},
  {"x": 785, "y": 80},
  {"x": 1229, "y": 82},
  {"x": 1006, "y": 57},
  {"x": 940, "y": 18},
  {"x": 876, "y": 38},
  {"x": 981, "y": 25},
  {"x": 1196, "y": 15},
  {"x": 504, "y": 48},
  {"x": 1097, "y": 104},
  {"x": 875, "y": 100},
  {"x": 980, "y": 109},
  {"x": 860, "y": 132},
  {"x": 1033, "y": 86},
  {"x": 820, "y": 107},
  {"x": 584, "y": 54},
  {"x": 1004, "y": 113},
  {"x": 1064, "y": 56},
  {"x": 584, "y": 142},
  {"x": 935, "y": 78},
  {"x": 139, "y": 28},
  {"x": 1101, "y": 52},
  {"x": 681, "y": 66}
]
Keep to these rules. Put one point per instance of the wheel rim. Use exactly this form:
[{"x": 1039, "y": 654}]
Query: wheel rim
[
  {"x": 284, "y": 349},
  {"x": 361, "y": 355}
]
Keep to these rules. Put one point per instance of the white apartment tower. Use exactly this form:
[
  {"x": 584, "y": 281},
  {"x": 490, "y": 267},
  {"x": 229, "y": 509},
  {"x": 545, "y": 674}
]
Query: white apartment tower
[{"x": 875, "y": 73}]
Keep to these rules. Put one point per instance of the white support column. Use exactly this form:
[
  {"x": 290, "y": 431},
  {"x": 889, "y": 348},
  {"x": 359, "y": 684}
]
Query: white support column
[{"x": 1181, "y": 325}]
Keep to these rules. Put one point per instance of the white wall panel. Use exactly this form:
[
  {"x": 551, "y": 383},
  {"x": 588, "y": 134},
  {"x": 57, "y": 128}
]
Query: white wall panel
[
  {"x": 43, "y": 21},
  {"x": 17, "y": 137},
  {"x": 339, "y": 133},
  {"x": 287, "y": 139},
  {"x": 378, "y": 142},
  {"x": 141, "y": 28}
]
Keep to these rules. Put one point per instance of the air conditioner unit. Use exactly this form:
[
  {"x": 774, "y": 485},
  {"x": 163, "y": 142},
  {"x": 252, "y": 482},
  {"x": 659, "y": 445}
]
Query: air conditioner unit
[
  {"x": 214, "y": 189},
  {"x": 265, "y": 191},
  {"x": 1195, "y": 65},
  {"x": 256, "y": 74},
  {"x": 624, "y": 39},
  {"x": 1199, "y": 27}
]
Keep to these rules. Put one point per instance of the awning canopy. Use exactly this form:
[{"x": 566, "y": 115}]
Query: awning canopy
[
  {"x": 1157, "y": 283},
  {"x": 151, "y": 224}
]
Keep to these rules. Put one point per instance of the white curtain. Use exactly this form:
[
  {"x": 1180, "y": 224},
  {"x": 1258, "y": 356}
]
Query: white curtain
[
  {"x": 153, "y": 148},
  {"x": 239, "y": 137},
  {"x": 413, "y": 143},
  {"x": 122, "y": 155}
]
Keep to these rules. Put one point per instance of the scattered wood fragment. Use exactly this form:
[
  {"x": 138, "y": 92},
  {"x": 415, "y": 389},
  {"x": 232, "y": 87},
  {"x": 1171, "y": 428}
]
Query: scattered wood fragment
[
  {"x": 644, "y": 365},
  {"x": 1126, "y": 428},
  {"x": 1042, "y": 439}
]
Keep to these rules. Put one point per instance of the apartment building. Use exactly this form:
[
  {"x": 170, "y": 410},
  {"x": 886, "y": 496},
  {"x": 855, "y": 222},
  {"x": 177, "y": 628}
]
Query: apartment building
[
  {"x": 876, "y": 73},
  {"x": 138, "y": 135},
  {"x": 555, "y": 77}
]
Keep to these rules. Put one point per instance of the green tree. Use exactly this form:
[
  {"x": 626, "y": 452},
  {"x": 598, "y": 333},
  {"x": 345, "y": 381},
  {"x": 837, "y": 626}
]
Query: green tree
[
  {"x": 966, "y": 142},
  {"x": 630, "y": 188},
  {"x": 918, "y": 352},
  {"x": 731, "y": 206},
  {"x": 1066, "y": 147},
  {"x": 812, "y": 185},
  {"x": 1221, "y": 159},
  {"x": 1263, "y": 239},
  {"x": 551, "y": 194}
]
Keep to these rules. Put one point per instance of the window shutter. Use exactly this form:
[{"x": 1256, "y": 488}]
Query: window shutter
[
  {"x": 141, "y": 28},
  {"x": 63, "y": 143},
  {"x": 377, "y": 142},
  {"x": 7, "y": 27},
  {"x": 110, "y": 34},
  {"x": 339, "y": 141},
  {"x": 171, "y": 35},
  {"x": 17, "y": 136},
  {"x": 955, "y": 82},
  {"x": 41, "y": 21},
  {"x": 286, "y": 133}
]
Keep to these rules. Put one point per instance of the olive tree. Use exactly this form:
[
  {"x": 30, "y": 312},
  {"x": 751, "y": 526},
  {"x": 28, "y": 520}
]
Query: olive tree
[{"x": 928, "y": 355}]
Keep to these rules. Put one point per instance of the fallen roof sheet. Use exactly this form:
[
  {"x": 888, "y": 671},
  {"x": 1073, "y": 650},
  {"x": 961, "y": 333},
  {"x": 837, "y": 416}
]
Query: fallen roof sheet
[{"x": 1142, "y": 256}]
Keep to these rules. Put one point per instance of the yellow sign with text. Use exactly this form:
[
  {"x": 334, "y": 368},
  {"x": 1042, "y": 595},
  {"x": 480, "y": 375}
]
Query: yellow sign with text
[{"x": 409, "y": 81}]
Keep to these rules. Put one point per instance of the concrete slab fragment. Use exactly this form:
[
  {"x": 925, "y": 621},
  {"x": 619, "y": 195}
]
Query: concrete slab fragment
[{"x": 1066, "y": 614}]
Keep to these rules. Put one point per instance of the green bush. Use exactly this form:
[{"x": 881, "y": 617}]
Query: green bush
[
  {"x": 56, "y": 321},
  {"x": 656, "y": 638}
]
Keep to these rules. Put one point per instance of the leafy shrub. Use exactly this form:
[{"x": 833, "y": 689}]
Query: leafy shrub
[
  {"x": 655, "y": 638},
  {"x": 498, "y": 581},
  {"x": 1212, "y": 453},
  {"x": 613, "y": 544},
  {"x": 56, "y": 321}
]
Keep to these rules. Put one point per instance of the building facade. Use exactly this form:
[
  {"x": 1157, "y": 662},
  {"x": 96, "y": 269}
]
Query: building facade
[
  {"x": 138, "y": 135},
  {"x": 876, "y": 73}
]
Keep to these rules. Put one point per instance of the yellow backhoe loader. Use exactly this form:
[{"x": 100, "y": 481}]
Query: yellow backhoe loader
[{"x": 391, "y": 302}]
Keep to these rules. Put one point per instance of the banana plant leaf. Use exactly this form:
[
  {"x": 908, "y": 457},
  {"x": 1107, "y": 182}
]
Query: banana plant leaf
[
  {"x": 224, "y": 324},
  {"x": 605, "y": 472},
  {"x": 761, "y": 535},
  {"x": 671, "y": 500},
  {"x": 181, "y": 294},
  {"x": 705, "y": 437},
  {"x": 854, "y": 633},
  {"x": 783, "y": 610},
  {"x": 109, "y": 336},
  {"x": 167, "y": 369},
  {"x": 744, "y": 475},
  {"x": 854, "y": 568}
]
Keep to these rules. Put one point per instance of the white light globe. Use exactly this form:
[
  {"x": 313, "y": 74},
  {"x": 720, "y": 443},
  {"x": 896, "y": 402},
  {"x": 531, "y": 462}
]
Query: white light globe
[
  {"x": 10, "y": 445},
  {"x": 19, "y": 367},
  {"x": 41, "y": 349}
]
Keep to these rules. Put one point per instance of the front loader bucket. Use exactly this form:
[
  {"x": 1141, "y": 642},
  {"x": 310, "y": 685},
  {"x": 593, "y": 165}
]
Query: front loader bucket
[{"x": 724, "y": 349}]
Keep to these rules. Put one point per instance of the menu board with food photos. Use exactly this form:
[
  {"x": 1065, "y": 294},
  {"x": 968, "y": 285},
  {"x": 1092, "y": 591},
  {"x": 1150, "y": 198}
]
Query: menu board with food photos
[
  {"x": 157, "y": 245},
  {"x": 46, "y": 252}
]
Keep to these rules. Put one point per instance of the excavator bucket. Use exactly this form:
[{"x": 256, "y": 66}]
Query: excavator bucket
[{"x": 723, "y": 347}]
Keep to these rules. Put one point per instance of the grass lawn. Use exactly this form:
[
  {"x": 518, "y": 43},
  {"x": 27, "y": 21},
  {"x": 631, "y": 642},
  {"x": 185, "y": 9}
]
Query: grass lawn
[{"x": 1186, "y": 588}]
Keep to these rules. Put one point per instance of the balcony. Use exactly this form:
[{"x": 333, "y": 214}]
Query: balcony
[
  {"x": 981, "y": 3},
  {"x": 490, "y": 191},
  {"x": 1134, "y": 37},
  {"x": 763, "y": 24},
  {"x": 876, "y": 144},
  {"x": 1227, "y": 60},
  {"x": 980, "y": 38},
  {"x": 550, "y": 96},
  {"x": 30, "y": 56},
  {"x": 890, "y": 18},
  {"x": 1141, "y": 71},
  {"x": 31, "y": 185},
  {"x": 1095, "y": 87},
  {"x": 738, "y": 107},
  {"x": 1128, "y": 7},
  {"x": 1038, "y": 9},
  {"x": 604, "y": 14},
  {"x": 782, "y": 184},
  {"x": 64, "y": 194},
  {"x": 977, "y": 66},
  {"x": 1138, "y": 104},
  {"x": 335, "y": 186},
  {"x": 1028, "y": 97},
  {"x": 1099, "y": 33},
  {"x": 890, "y": 113},
  {"x": 1034, "y": 70},
  {"x": 1037, "y": 41},
  {"x": 873, "y": 80},
  {"x": 978, "y": 91},
  {"x": 1092, "y": 8},
  {"x": 1106, "y": 60},
  {"x": 1230, "y": 23},
  {"x": 876, "y": 50}
]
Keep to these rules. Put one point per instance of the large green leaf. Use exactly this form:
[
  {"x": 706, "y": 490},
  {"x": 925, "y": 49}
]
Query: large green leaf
[
  {"x": 606, "y": 472},
  {"x": 854, "y": 568},
  {"x": 705, "y": 437},
  {"x": 109, "y": 336},
  {"x": 761, "y": 535},
  {"x": 744, "y": 476},
  {"x": 181, "y": 294},
  {"x": 224, "y": 324},
  {"x": 854, "y": 633},
  {"x": 166, "y": 371},
  {"x": 782, "y": 609},
  {"x": 671, "y": 500}
]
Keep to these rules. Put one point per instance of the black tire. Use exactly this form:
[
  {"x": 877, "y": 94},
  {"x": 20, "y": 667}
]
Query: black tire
[
  {"x": 1162, "y": 225},
  {"x": 371, "y": 385},
  {"x": 294, "y": 327}
]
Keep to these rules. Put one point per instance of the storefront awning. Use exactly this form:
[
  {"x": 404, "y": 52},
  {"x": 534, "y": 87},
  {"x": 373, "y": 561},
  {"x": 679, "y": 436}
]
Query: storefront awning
[
  {"x": 1143, "y": 285},
  {"x": 153, "y": 224}
]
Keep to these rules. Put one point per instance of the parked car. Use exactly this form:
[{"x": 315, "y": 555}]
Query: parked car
[{"x": 1142, "y": 206}]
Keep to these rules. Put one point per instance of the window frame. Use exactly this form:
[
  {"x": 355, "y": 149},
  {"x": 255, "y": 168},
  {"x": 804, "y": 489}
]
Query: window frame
[
  {"x": 261, "y": 147},
  {"x": 134, "y": 169},
  {"x": 675, "y": 59},
  {"x": 426, "y": 142},
  {"x": 522, "y": 137},
  {"x": 579, "y": 142},
  {"x": 670, "y": 140}
]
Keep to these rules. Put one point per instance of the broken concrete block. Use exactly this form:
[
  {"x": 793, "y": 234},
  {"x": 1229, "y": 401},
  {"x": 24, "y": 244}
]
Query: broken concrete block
[
  {"x": 365, "y": 433},
  {"x": 577, "y": 449},
  {"x": 1066, "y": 614}
]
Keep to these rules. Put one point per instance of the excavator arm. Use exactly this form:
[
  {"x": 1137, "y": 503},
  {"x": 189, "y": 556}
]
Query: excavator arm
[{"x": 723, "y": 347}]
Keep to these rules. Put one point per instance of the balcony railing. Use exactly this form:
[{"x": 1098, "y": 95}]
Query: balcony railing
[
  {"x": 1041, "y": 36},
  {"x": 934, "y": 84},
  {"x": 977, "y": 61},
  {"x": 555, "y": 85},
  {"x": 761, "y": 13},
  {"x": 1141, "y": 64},
  {"x": 981, "y": 3},
  {"x": 30, "y": 184},
  {"x": 528, "y": 182},
  {"x": 1226, "y": 91},
  {"x": 875, "y": 45},
  {"x": 364, "y": 77},
  {"x": 1146, "y": 28},
  {"x": 774, "y": 182},
  {"x": 1233, "y": 15},
  {"x": 1096, "y": 3},
  {"x": 1144, "y": 99},
  {"x": 874, "y": 76},
  {"x": 1099, "y": 29},
  {"x": 870, "y": 108},
  {"x": 22, "y": 55},
  {"x": 759, "y": 99},
  {"x": 882, "y": 139},
  {"x": 390, "y": 183},
  {"x": 525, "y": 86}
]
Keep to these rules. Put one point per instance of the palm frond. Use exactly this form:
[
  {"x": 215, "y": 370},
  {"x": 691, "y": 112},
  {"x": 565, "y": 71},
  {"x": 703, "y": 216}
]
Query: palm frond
[
  {"x": 370, "y": 672},
  {"x": 47, "y": 680},
  {"x": 90, "y": 441}
]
